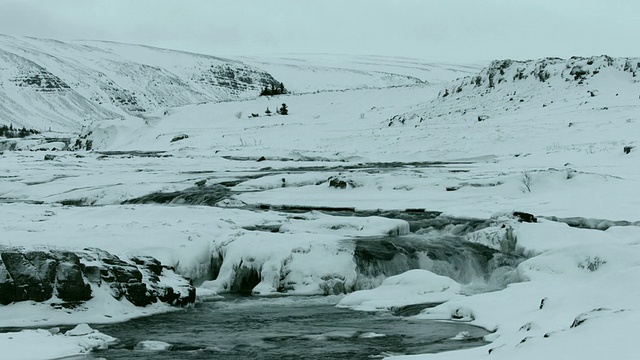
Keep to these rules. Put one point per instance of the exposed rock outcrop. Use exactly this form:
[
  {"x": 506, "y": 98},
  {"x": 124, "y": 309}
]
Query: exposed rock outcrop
[
  {"x": 534, "y": 73},
  {"x": 40, "y": 275}
]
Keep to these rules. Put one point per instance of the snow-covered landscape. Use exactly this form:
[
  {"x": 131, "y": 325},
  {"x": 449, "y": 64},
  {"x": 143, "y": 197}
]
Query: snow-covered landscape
[{"x": 501, "y": 195}]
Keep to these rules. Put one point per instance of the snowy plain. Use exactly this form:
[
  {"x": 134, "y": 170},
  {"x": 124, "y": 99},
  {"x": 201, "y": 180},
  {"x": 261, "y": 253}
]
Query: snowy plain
[{"x": 551, "y": 148}]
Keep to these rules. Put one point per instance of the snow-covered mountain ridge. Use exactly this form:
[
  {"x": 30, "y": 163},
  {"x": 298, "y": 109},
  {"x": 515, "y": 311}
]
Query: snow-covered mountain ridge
[{"x": 63, "y": 86}]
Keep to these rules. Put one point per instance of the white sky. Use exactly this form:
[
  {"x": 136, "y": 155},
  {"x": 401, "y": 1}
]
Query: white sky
[{"x": 439, "y": 30}]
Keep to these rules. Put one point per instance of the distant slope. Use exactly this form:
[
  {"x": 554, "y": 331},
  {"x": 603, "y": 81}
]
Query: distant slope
[
  {"x": 304, "y": 73},
  {"x": 510, "y": 83},
  {"x": 520, "y": 107},
  {"x": 63, "y": 86},
  {"x": 592, "y": 110},
  {"x": 507, "y": 87}
]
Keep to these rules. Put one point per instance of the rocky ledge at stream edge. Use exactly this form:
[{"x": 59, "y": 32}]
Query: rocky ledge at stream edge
[{"x": 72, "y": 276}]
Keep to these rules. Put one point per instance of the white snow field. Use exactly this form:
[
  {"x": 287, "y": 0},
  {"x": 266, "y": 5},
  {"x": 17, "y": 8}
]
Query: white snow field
[{"x": 545, "y": 137}]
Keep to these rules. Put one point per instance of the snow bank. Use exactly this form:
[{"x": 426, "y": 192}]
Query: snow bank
[
  {"x": 411, "y": 287},
  {"x": 50, "y": 344}
]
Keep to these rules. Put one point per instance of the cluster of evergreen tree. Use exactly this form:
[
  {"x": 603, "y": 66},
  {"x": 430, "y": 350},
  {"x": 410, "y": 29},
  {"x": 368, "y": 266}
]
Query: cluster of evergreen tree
[
  {"x": 273, "y": 90},
  {"x": 10, "y": 132},
  {"x": 283, "y": 110}
]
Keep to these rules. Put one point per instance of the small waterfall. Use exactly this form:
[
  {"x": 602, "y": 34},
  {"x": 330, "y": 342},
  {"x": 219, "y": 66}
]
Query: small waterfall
[
  {"x": 442, "y": 249},
  {"x": 197, "y": 195},
  {"x": 477, "y": 253}
]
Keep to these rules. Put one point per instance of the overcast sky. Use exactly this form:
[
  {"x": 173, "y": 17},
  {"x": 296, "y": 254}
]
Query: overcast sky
[{"x": 442, "y": 30}]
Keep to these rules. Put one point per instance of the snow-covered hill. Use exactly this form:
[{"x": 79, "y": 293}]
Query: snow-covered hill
[
  {"x": 63, "y": 86},
  {"x": 305, "y": 73},
  {"x": 510, "y": 83}
]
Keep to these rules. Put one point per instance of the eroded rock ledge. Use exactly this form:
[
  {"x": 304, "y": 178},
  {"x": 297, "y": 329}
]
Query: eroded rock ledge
[{"x": 73, "y": 276}]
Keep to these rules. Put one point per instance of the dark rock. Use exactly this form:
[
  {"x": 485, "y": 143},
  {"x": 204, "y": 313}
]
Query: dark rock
[
  {"x": 117, "y": 270},
  {"x": 70, "y": 284},
  {"x": 201, "y": 183},
  {"x": 582, "y": 318},
  {"x": 138, "y": 294},
  {"x": 627, "y": 149},
  {"x": 149, "y": 263},
  {"x": 339, "y": 183},
  {"x": 92, "y": 273},
  {"x": 192, "y": 295},
  {"x": 168, "y": 296},
  {"x": 453, "y": 188},
  {"x": 125, "y": 274},
  {"x": 525, "y": 327},
  {"x": 49, "y": 157},
  {"x": 33, "y": 272},
  {"x": 482, "y": 117},
  {"x": 7, "y": 286},
  {"x": 542, "y": 302},
  {"x": 171, "y": 297},
  {"x": 179, "y": 137},
  {"x": 525, "y": 217},
  {"x": 262, "y": 158}
]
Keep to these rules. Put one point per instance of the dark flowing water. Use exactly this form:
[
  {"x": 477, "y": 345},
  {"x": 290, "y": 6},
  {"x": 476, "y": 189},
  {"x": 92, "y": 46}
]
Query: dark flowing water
[{"x": 283, "y": 328}]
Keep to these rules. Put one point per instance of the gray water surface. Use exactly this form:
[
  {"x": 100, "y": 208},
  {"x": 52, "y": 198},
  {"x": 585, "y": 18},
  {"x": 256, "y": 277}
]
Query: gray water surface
[{"x": 283, "y": 328}]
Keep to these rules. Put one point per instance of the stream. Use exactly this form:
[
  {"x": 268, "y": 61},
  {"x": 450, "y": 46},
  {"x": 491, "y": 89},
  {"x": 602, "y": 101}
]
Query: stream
[{"x": 284, "y": 328}]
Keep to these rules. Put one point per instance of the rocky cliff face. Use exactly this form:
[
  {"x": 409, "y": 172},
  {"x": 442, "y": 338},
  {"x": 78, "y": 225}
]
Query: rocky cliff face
[
  {"x": 71, "y": 277},
  {"x": 63, "y": 86}
]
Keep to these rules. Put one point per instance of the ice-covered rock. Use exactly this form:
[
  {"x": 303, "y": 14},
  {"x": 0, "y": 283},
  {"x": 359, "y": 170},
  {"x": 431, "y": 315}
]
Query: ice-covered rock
[
  {"x": 412, "y": 287},
  {"x": 499, "y": 237},
  {"x": 153, "y": 345},
  {"x": 80, "y": 330}
]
